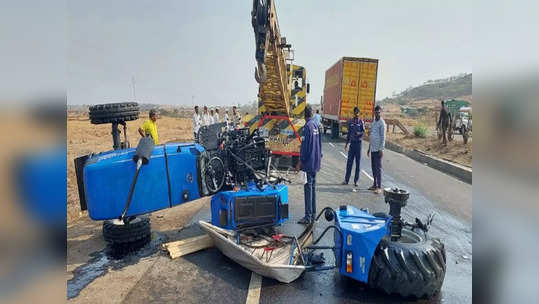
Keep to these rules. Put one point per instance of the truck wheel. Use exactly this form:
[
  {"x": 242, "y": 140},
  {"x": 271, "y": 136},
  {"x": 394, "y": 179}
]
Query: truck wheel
[
  {"x": 413, "y": 266},
  {"x": 114, "y": 112},
  {"x": 124, "y": 238},
  {"x": 334, "y": 130}
]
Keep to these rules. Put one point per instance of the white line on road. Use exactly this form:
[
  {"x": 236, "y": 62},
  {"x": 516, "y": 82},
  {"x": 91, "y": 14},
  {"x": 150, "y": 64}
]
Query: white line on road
[
  {"x": 332, "y": 145},
  {"x": 370, "y": 177},
  {"x": 253, "y": 295},
  {"x": 343, "y": 154}
]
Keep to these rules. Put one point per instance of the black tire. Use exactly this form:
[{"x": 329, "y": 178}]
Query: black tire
[
  {"x": 124, "y": 238},
  {"x": 114, "y": 112},
  {"x": 414, "y": 267},
  {"x": 334, "y": 130}
]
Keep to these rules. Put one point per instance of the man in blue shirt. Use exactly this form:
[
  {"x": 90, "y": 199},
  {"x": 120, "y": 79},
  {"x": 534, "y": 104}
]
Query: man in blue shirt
[
  {"x": 354, "y": 136},
  {"x": 310, "y": 158}
]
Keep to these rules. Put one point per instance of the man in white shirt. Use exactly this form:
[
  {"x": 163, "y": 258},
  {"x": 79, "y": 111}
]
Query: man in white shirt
[
  {"x": 197, "y": 122},
  {"x": 212, "y": 119},
  {"x": 216, "y": 116},
  {"x": 236, "y": 117},
  {"x": 206, "y": 118}
]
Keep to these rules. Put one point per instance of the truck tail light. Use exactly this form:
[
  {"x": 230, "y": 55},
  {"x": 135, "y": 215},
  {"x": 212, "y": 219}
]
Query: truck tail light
[{"x": 349, "y": 262}]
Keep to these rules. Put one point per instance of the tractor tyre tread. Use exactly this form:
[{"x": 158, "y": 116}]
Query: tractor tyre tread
[
  {"x": 114, "y": 112},
  {"x": 408, "y": 269}
]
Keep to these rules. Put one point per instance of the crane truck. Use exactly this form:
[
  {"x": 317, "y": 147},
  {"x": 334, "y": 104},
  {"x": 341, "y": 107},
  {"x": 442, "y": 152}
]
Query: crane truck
[{"x": 283, "y": 88}]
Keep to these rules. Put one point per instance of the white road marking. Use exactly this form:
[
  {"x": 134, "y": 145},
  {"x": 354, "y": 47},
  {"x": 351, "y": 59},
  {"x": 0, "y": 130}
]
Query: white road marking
[
  {"x": 370, "y": 177},
  {"x": 253, "y": 294},
  {"x": 332, "y": 145},
  {"x": 343, "y": 154}
]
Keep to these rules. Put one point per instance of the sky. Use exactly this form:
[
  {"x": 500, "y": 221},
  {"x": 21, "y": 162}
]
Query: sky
[{"x": 202, "y": 52}]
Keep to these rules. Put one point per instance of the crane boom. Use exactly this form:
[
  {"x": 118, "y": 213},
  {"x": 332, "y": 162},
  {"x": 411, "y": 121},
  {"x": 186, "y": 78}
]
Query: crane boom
[{"x": 270, "y": 73}]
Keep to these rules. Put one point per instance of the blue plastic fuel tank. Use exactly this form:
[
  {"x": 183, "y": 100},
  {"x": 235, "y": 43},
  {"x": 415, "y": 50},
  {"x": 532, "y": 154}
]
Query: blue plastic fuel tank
[{"x": 169, "y": 179}]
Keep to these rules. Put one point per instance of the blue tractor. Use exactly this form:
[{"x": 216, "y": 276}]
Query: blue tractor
[
  {"x": 125, "y": 184},
  {"x": 384, "y": 251}
]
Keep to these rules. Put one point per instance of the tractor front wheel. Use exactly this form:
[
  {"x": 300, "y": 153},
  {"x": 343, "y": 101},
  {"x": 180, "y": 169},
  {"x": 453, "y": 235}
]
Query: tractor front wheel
[
  {"x": 124, "y": 238},
  {"x": 413, "y": 266}
]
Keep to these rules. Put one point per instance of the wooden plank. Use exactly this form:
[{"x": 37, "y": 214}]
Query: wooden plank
[{"x": 180, "y": 248}]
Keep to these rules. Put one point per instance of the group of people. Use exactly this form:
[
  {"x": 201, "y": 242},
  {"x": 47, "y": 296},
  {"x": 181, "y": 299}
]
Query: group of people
[
  {"x": 212, "y": 117},
  {"x": 311, "y": 154},
  {"x": 311, "y": 147}
]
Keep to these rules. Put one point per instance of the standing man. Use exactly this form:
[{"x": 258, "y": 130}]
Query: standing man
[
  {"x": 206, "y": 118},
  {"x": 317, "y": 117},
  {"x": 443, "y": 122},
  {"x": 353, "y": 138},
  {"x": 149, "y": 128},
  {"x": 216, "y": 116},
  {"x": 226, "y": 120},
  {"x": 310, "y": 157},
  {"x": 236, "y": 117},
  {"x": 212, "y": 115},
  {"x": 197, "y": 122},
  {"x": 377, "y": 141}
]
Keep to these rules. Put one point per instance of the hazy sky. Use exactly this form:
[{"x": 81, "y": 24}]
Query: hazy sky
[{"x": 179, "y": 49}]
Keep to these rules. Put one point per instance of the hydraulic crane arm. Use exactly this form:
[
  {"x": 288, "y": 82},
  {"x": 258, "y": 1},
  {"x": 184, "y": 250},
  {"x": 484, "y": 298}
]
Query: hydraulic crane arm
[{"x": 270, "y": 72}]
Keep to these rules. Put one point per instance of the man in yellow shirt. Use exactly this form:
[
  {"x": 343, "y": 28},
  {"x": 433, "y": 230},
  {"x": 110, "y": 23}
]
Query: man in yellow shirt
[{"x": 150, "y": 128}]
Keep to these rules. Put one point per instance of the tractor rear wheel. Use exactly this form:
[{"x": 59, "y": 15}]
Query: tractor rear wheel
[
  {"x": 114, "y": 112},
  {"x": 124, "y": 238},
  {"x": 414, "y": 266}
]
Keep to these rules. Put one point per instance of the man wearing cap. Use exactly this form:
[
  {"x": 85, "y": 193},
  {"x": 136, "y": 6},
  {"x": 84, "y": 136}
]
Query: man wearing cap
[
  {"x": 353, "y": 138},
  {"x": 149, "y": 128}
]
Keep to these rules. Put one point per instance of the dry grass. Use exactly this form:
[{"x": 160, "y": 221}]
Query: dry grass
[{"x": 84, "y": 138}]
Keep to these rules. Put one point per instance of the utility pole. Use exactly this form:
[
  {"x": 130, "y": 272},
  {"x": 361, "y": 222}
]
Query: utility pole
[{"x": 134, "y": 92}]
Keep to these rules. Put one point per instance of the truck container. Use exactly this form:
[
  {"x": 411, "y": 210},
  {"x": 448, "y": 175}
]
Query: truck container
[{"x": 348, "y": 83}]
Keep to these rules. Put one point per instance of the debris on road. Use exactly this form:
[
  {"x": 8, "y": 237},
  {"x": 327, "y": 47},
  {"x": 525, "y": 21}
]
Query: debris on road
[{"x": 180, "y": 248}]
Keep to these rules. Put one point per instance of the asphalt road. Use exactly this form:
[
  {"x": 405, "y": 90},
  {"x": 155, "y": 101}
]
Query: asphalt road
[{"x": 210, "y": 277}]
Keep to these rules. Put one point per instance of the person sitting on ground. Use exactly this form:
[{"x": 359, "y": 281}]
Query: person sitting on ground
[{"x": 149, "y": 128}]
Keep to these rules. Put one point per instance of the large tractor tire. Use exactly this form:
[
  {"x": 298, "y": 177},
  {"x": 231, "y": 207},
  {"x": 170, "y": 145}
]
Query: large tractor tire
[
  {"x": 114, "y": 112},
  {"x": 124, "y": 238},
  {"x": 412, "y": 267},
  {"x": 334, "y": 130}
]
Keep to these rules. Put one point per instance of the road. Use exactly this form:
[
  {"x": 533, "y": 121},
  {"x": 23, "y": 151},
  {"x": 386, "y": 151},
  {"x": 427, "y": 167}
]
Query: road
[{"x": 210, "y": 277}]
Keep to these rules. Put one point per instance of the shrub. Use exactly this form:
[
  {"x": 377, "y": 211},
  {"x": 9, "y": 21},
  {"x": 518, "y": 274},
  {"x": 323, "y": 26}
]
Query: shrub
[{"x": 420, "y": 130}]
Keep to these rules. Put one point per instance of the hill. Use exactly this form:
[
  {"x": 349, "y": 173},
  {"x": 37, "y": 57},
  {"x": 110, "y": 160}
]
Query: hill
[{"x": 451, "y": 87}]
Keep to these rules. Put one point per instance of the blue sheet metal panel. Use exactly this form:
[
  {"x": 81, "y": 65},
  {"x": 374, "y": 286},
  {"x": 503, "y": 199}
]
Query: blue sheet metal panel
[
  {"x": 365, "y": 231},
  {"x": 182, "y": 168},
  {"x": 108, "y": 177},
  {"x": 224, "y": 202}
]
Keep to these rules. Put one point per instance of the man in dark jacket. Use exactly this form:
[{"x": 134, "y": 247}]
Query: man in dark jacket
[
  {"x": 444, "y": 122},
  {"x": 310, "y": 158},
  {"x": 353, "y": 138}
]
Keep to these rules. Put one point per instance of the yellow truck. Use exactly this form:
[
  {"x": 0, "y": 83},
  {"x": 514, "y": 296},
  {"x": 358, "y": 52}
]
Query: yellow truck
[{"x": 348, "y": 83}]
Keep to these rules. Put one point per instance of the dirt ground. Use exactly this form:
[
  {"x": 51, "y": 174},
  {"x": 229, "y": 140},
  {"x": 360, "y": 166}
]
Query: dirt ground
[
  {"x": 455, "y": 151},
  {"x": 84, "y": 138}
]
